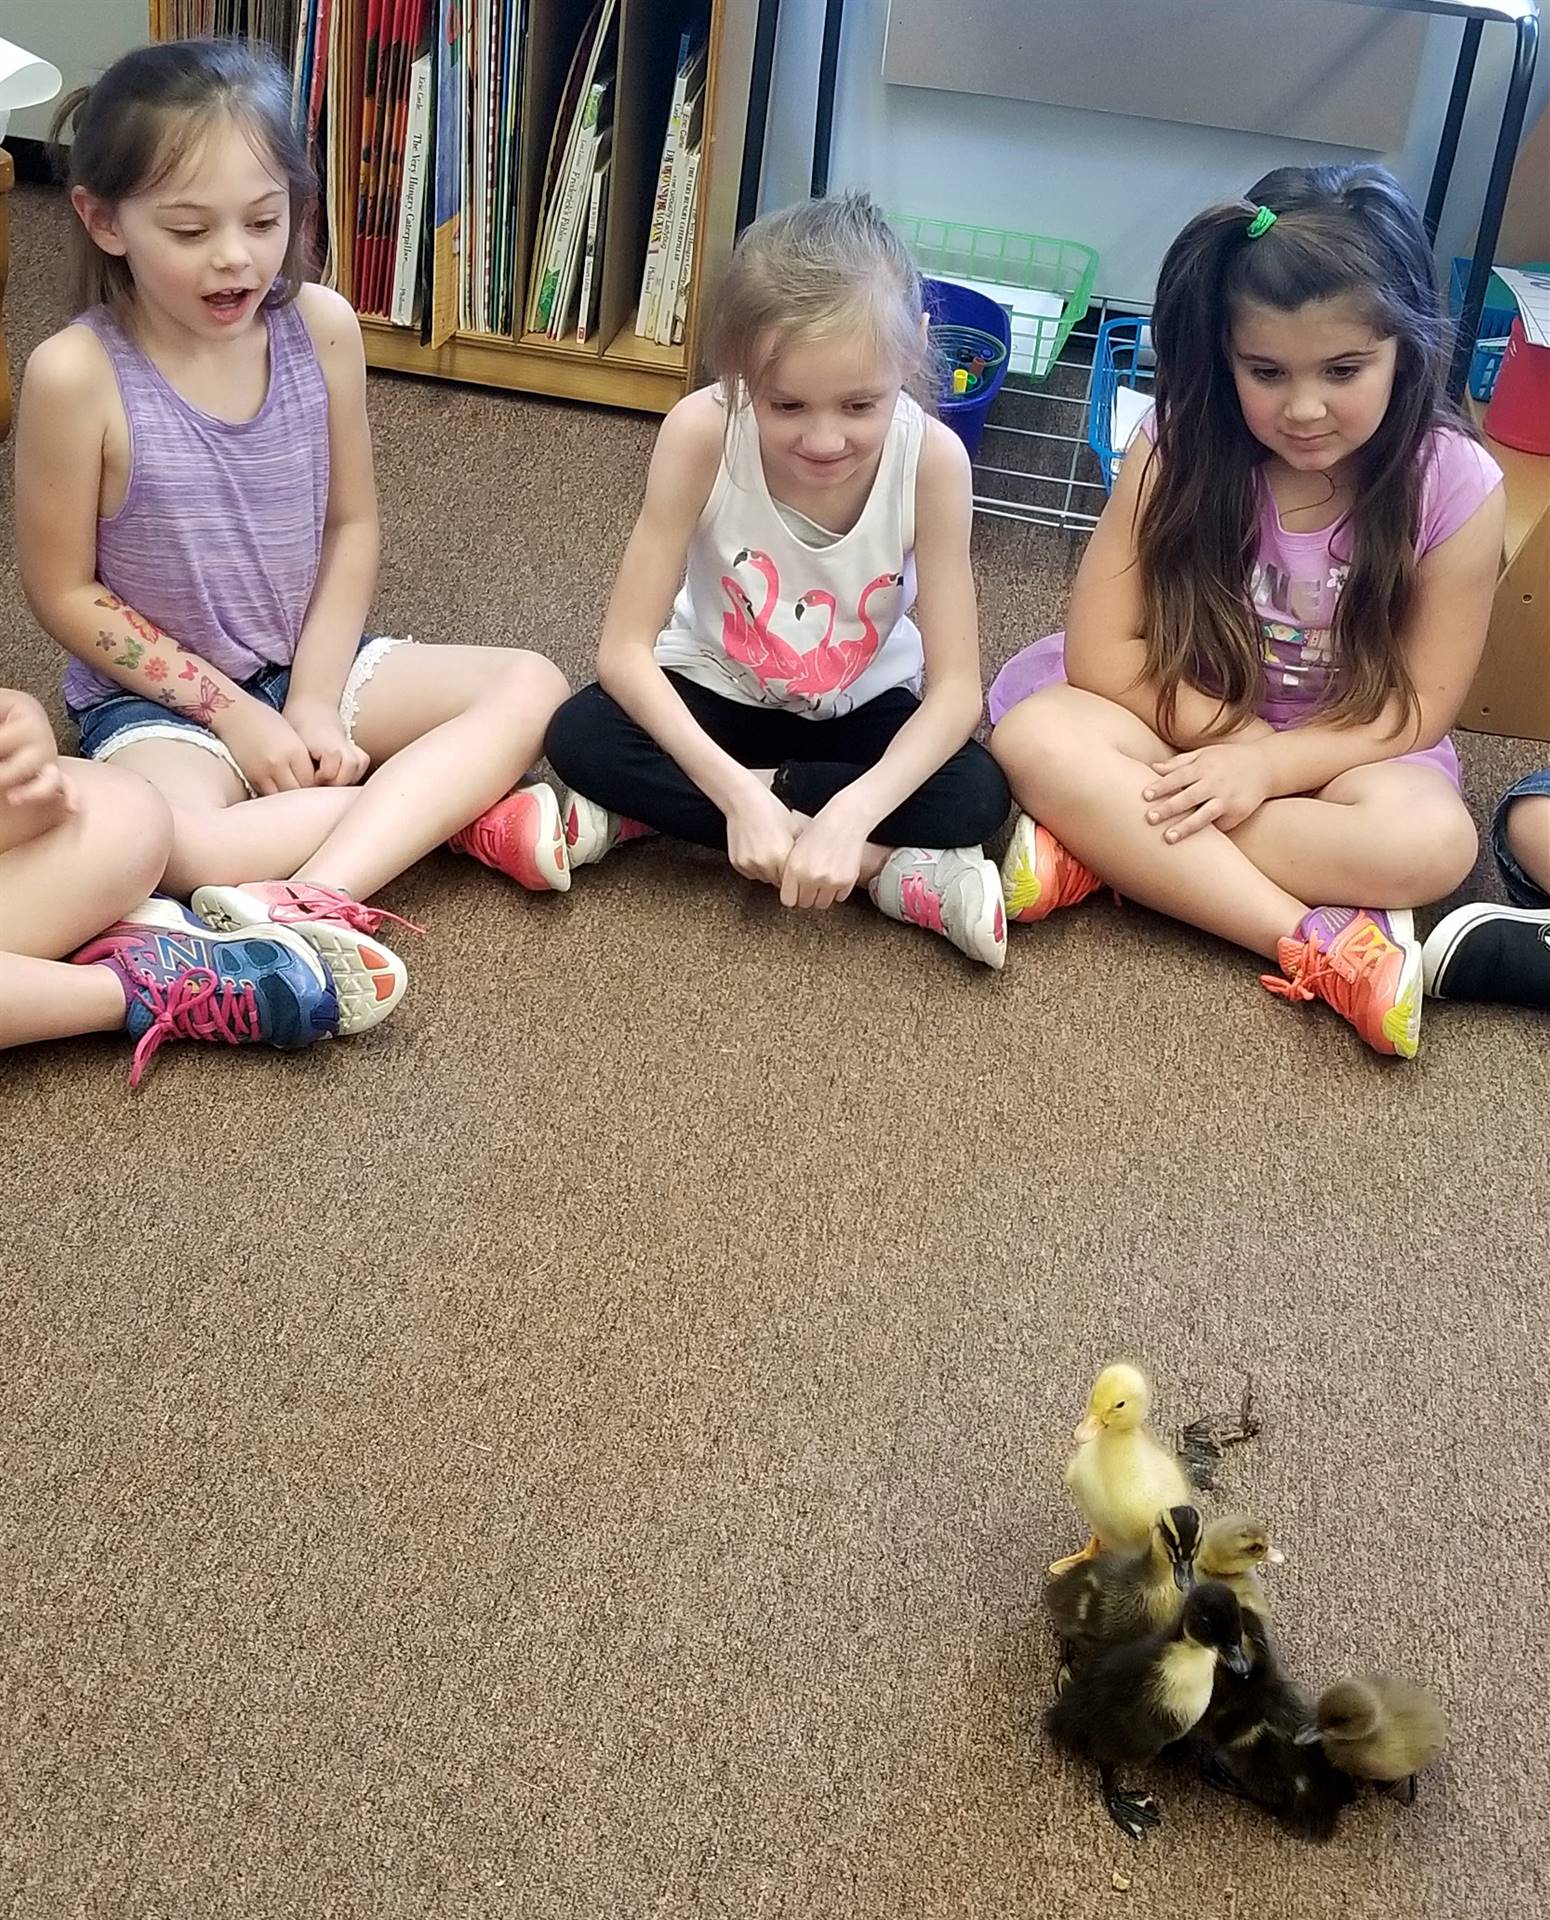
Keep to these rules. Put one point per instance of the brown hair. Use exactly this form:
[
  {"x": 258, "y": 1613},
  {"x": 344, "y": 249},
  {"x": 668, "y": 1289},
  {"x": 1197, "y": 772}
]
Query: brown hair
[
  {"x": 1339, "y": 230},
  {"x": 823, "y": 269},
  {"x": 139, "y": 122}
]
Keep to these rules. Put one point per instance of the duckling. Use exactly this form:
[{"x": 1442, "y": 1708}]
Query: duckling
[
  {"x": 1379, "y": 1728},
  {"x": 1233, "y": 1549},
  {"x": 1129, "y": 1703},
  {"x": 1250, "y": 1738},
  {"x": 1117, "y": 1596},
  {"x": 1121, "y": 1474}
]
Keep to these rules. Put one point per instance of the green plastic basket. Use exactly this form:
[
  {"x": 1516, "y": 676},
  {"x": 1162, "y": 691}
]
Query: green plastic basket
[{"x": 1047, "y": 284}]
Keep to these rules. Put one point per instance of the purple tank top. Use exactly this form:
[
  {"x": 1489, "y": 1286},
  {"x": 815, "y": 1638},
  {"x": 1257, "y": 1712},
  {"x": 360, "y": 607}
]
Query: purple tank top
[{"x": 221, "y": 528}]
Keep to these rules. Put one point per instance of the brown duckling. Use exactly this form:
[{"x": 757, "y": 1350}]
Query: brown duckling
[
  {"x": 1380, "y": 1728},
  {"x": 1120, "y": 1595},
  {"x": 1125, "y": 1705},
  {"x": 1233, "y": 1549}
]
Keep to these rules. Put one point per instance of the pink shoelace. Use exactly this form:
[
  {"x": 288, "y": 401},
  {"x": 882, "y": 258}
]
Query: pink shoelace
[
  {"x": 308, "y": 902},
  {"x": 194, "y": 1005},
  {"x": 920, "y": 903}
]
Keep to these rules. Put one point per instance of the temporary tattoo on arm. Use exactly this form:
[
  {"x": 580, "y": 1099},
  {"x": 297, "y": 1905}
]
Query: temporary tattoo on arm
[{"x": 148, "y": 650}]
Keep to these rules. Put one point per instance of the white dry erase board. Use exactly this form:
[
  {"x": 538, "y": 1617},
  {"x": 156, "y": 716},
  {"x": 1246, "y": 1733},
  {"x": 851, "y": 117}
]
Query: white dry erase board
[{"x": 1302, "y": 69}]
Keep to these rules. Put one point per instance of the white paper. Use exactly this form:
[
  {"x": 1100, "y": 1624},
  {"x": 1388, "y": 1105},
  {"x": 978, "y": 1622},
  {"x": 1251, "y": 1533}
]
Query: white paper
[
  {"x": 1031, "y": 344},
  {"x": 1130, "y": 408},
  {"x": 1532, "y": 293},
  {"x": 25, "y": 81}
]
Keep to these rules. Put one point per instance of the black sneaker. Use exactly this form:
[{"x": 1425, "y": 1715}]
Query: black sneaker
[{"x": 1490, "y": 953}]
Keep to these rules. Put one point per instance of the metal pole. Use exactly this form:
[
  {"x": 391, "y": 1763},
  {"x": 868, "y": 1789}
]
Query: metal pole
[
  {"x": 1495, "y": 202},
  {"x": 1453, "y": 120},
  {"x": 828, "y": 71},
  {"x": 765, "y": 22}
]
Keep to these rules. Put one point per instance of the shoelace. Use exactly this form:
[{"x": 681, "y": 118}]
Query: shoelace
[
  {"x": 1316, "y": 974},
  {"x": 920, "y": 903},
  {"x": 193, "y": 1005},
  {"x": 323, "y": 903}
]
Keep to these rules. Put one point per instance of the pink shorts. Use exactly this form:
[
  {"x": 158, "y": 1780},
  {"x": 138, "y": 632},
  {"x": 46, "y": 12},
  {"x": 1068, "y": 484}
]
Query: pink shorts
[{"x": 1044, "y": 665}]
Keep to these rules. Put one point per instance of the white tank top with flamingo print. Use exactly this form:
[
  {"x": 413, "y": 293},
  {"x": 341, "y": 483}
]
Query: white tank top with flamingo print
[{"x": 776, "y": 611}]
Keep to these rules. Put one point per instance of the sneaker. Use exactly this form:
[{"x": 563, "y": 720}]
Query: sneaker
[
  {"x": 955, "y": 891},
  {"x": 1364, "y": 961},
  {"x": 1038, "y": 874},
  {"x": 184, "y": 981},
  {"x": 1490, "y": 953},
  {"x": 368, "y": 979},
  {"x": 521, "y": 836},
  {"x": 591, "y": 830}
]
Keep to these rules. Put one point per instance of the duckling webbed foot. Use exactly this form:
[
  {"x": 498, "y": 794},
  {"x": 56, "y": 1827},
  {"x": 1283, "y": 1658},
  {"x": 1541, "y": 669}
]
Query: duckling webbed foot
[
  {"x": 1403, "y": 1791},
  {"x": 1203, "y": 1442},
  {"x": 1089, "y": 1552},
  {"x": 1135, "y": 1812},
  {"x": 1066, "y": 1668}
]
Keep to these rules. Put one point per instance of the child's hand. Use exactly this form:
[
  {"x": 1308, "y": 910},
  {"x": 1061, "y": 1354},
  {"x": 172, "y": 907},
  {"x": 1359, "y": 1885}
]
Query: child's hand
[
  {"x": 824, "y": 865},
  {"x": 339, "y": 762},
  {"x": 760, "y": 836},
  {"x": 270, "y": 752},
  {"x": 30, "y": 770},
  {"x": 1217, "y": 786}
]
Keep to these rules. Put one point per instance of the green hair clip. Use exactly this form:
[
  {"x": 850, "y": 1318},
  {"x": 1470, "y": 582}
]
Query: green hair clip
[{"x": 1262, "y": 222}]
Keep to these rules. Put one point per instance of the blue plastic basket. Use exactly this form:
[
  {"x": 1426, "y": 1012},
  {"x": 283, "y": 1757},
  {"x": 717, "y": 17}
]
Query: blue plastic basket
[
  {"x": 1484, "y": 365},
  {"x": 1123, "y": 356},
  {"x": 950, "y": 306}
]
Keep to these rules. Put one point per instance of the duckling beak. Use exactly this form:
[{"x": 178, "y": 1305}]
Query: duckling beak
[
  {"x": 1090, "y": 1428},
  {"x": 1307, "y": 1737},
  {"x": 1183, "y": 1575},
  {"x": 1274, "y": 1557},
  {"x": 1236, "y": 1661}
]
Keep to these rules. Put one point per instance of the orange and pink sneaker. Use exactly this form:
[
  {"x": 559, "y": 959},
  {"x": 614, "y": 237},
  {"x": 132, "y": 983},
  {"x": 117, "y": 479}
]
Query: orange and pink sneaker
[
  {"x": 369, "y": 980},
  {"x": 521, "y": 836},
  {"x": 1365, "y": 962},
  {"x": 1038, "y": 874}
]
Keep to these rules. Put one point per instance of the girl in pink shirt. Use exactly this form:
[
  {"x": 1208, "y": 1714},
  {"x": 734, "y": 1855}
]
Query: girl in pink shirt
[{"x": 1245, "y": 724}]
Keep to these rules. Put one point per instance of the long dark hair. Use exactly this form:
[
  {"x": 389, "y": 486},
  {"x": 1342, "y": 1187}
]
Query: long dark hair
[
  {"x": 131, "y": 128},
  {"x": 1339, "y": 230}
]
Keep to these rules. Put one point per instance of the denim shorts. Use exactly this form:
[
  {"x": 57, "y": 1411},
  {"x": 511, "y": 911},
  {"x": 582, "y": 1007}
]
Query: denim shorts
[
  {"x": 126, "y": 719},
  {"x": 1522, "y": 891}
]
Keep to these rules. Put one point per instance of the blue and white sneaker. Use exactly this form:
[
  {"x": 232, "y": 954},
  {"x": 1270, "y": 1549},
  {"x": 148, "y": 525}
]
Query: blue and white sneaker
[{"x": 183, "y": 980}]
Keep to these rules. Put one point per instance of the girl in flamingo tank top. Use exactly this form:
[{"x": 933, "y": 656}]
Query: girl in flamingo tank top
[{"x": 784, "y": 708}]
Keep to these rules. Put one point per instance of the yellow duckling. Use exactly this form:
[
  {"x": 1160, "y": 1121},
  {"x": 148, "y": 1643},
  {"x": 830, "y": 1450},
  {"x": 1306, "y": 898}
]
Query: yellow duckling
[{"x": 1121, "y": 1473}]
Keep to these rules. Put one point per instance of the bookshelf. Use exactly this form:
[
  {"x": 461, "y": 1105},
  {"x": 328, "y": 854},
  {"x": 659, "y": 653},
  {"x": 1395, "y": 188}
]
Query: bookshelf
[{"x": 616, "y": 366}]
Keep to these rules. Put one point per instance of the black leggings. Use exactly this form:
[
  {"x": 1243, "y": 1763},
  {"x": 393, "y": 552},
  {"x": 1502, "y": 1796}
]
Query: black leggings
[{"x": 597, "y": 749}]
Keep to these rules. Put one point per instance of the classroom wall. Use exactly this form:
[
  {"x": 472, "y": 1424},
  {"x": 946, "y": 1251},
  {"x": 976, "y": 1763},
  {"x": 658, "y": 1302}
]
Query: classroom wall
[
  {"x": 1120, "y": 184},
  {"x": 80, "y": 37}
]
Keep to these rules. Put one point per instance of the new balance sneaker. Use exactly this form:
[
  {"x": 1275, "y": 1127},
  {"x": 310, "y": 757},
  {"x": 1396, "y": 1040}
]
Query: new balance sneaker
[
  {"x": 591, "y": 830},
  {"x": 369, "y": 979},
  {"x": 954, "y": 891},
  {"x": 1038, "y": 874},
  {"x": 522, "y": 837},
  {"x": 1365, "y": 963},
  {"x": 183, "y": 980},
  {"x": 1490, "y": 953}
]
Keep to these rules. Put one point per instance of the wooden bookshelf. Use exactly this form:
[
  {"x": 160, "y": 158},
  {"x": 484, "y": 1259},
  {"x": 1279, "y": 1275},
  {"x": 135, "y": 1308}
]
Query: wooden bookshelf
[{"x": 616, "y": 368}]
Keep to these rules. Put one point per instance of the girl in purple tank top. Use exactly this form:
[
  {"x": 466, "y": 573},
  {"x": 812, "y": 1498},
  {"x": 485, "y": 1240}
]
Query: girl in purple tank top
[
  {"x": 197, "y": 527},
  {"x": 1245, "y": 724}
]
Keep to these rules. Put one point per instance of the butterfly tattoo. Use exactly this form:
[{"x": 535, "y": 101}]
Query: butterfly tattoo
[{"x": 211, "y": 701}]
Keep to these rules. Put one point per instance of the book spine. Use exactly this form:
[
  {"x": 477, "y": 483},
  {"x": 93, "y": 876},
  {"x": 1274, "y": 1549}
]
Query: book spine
[
  {"x": 589, "y": 259},
  {"x": 681, "y": 309},
  {"x": 411, "y": 199},
  {"x": 673, "y": 250},
  {"x": 572, "y": 195},
  {"x": 645, "y": 319}
]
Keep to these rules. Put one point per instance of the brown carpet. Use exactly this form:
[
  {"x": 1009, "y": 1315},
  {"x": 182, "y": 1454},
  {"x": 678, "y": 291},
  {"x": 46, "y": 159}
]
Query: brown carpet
[{"x": 590, "y": 1447}]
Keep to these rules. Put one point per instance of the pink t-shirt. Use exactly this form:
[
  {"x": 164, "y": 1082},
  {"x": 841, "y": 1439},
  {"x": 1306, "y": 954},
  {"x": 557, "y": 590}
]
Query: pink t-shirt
[{"x": 1296, "y": 583}]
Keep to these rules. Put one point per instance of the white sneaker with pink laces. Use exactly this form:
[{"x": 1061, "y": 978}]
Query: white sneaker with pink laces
[
  {"x": 954, "y": 891},
  {"x": 369, "y": 979},
  {"x": 591, "y": 830}
]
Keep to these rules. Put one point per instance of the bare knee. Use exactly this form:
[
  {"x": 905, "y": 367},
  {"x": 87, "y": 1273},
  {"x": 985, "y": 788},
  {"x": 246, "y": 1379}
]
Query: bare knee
[
  {"x": 126, "y": 830},
  {"x": 529, "y": 687},
  {"x": 1528, "y": 836},
  {"x": 1051, "y": 745},
  {"x": 1436, "y": 854}
]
